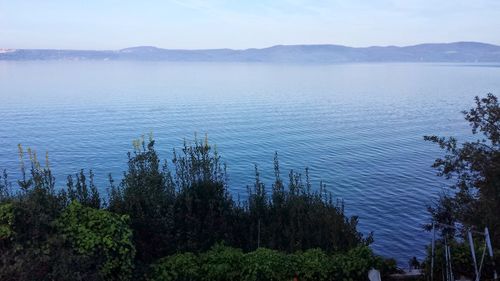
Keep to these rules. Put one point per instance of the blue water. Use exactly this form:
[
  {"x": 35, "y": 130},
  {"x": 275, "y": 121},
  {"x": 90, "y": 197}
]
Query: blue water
[{"x": 358, "y": 127}]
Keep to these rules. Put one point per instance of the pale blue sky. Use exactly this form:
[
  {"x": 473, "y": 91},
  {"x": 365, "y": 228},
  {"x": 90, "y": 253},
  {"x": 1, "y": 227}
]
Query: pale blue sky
[{"x": 195, "y": 24}]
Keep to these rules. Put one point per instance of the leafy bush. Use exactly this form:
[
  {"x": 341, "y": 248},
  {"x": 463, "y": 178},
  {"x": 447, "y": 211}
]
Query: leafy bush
[
  {"x": 102, "y": 235},
  {"x": 179, "y": 267},
  {"x": 222, "y": 263},
  {"x": 225, "y": 263},
  {"x": 183, "y": 205},
  {"x": 313, "y": 264},
  {"x": 295, "y": 217},
  {"x": 265, "y": 264},
  {"x": 355, "y": 264},
  {"x": 6, "y": 220},
  {"x": 33, "y": 249}
]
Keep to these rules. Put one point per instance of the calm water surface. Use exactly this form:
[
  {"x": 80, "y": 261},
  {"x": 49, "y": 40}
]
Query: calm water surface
[{"x": 358, "y": 127}]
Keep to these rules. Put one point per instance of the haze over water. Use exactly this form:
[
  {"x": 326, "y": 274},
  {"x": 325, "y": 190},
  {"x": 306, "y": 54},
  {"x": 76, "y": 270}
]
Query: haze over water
[{"x": 358, "y": 127}]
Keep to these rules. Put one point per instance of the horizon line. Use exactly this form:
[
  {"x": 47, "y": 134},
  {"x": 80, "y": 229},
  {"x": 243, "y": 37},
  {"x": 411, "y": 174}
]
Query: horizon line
[{"x": 256, "y": 48}]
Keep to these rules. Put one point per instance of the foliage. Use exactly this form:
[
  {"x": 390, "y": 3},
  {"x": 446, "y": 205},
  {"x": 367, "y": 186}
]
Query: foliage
[
  {"x": 145, "y": 195},
  {"x": 189, "y": 205},
  {"x": 265, "y": 264},
  {"x": 86, "y": 194},
  {"x": 6, "y": 221},
  {"x": 179, "y": 267},
  {"x": 475, "y": 168},
  {"x": 34, "y": 250},
  {"x": 202, "y": 199},
  {"x": 52, "y": 260},
  {"x": 101, "y": 235},
  {"x": 355, "y": 264},
  {"x": 161, "y": 209},
  {"x": 295, "y": 217},
  {"x": 311, "y": 265},
  {"x": 225, "y": 263},
  {"x": 222, "y": 263}
]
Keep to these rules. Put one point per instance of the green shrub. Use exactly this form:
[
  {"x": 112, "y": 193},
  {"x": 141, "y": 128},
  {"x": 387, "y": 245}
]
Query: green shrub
[
  {"x": 102, "y": 235},
  {"x": 355, "y": 264},
  {"x": 313, "y": 264},
  {"x": 184, "y": 205},
  {"x": 265, "y": 264},
  {"x": 222, "y": 263},
  {"x": 6, "y": 220},
  {"x": 179, "y": 267}
]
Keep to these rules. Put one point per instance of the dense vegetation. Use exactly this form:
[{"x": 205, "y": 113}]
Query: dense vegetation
[
  {"x": 474, "y": 202},
  {"x": 162, "y": 220},
  {"x": 222, "y": 263}
]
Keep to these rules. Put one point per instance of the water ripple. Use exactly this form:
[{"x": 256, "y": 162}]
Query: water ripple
[{"x": 357, "y": 131}]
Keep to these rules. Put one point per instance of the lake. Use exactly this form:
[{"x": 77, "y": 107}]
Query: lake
[{"x": 358, "y": 127}]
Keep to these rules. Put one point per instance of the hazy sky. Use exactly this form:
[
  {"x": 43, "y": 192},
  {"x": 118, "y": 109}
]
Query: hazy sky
[{"x": 195, "y": 24}]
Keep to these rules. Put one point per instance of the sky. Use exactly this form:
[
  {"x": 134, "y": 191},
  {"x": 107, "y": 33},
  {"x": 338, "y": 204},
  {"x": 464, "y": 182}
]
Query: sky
[{"x": 196, "y": 24}]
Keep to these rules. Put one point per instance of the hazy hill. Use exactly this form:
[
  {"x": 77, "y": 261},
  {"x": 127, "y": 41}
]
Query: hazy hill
[{"x": 440, "y": 52}]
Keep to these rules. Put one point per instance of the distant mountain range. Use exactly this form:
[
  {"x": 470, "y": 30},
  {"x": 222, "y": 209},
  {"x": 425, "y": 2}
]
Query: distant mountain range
[{"x": 439, "y": 52}]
